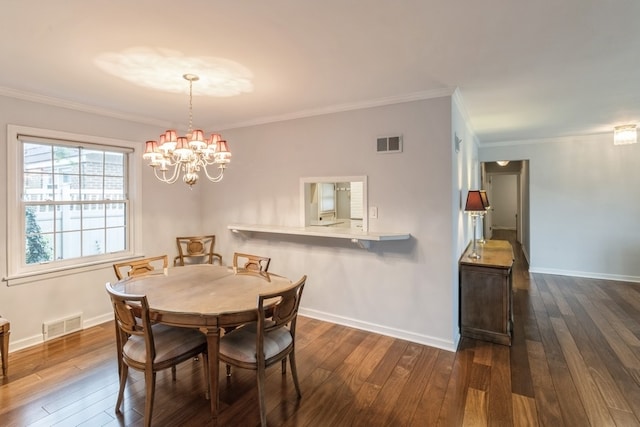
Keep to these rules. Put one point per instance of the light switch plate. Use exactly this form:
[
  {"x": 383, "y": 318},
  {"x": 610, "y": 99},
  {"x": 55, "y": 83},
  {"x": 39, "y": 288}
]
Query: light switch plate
[{"x": 373, "y": 212}]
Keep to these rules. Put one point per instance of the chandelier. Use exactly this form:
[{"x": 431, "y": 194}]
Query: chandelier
[{"x": 173, "y": 155}]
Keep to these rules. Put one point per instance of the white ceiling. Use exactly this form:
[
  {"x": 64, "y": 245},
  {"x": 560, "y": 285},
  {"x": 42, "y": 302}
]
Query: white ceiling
[{"x": 525, "y": 68}]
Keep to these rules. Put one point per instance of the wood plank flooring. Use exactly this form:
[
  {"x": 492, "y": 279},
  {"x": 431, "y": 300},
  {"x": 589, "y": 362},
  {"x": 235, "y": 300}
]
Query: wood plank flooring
[{"x": 575, "y": 361}]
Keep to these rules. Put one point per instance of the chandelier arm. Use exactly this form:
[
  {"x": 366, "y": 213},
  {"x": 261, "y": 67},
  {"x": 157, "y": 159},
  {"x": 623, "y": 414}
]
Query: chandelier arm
[
  {"x": 189, "y": 154},
  {"x": 174, "y": 175},
  {"x": 217, "y": 178}
]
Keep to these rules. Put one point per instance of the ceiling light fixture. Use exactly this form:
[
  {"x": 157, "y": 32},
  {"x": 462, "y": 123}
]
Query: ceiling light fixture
[
  {"x": 623, "y": 135},
  {"x": 502, "y": 162},
  {"x": 189, "y": 154}
]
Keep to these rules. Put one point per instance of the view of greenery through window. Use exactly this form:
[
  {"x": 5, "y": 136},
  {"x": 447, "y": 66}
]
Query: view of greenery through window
[{"x": 74, "y": 201}]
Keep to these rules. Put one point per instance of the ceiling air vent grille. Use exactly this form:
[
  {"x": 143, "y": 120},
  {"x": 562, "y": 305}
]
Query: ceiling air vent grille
[{"x": 389, "y": 144}]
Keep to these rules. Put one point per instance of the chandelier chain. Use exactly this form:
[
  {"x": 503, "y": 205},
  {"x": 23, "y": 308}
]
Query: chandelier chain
[
  {"x": 190, "y": 105},
  {"x": 188, "y": 155}
]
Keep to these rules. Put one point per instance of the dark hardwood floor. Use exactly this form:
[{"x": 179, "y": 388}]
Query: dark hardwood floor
[{"x": 575, "y": 361}]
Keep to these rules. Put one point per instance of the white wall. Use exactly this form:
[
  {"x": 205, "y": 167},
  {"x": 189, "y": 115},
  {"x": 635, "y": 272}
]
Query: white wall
[
  {"x": 406, "y": 288},
  {"x": 400, "y": 288},
  {"x": 465, "y": 176},
  {"x": 585, "y": 215},
  {"x": 167, "y": 211}
]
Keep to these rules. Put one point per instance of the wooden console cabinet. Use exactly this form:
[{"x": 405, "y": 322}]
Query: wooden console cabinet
[{"x": 486, "y": 301}]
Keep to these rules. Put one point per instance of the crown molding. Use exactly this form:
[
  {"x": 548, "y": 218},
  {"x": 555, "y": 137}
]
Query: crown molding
[
  {"x": 76, "y": 106},
  {"x": 339, "y": 108},
  {"x": 593, "y": 137},
  {"x": 378, "y": 102},
  {"x": 462, "y": 107}
]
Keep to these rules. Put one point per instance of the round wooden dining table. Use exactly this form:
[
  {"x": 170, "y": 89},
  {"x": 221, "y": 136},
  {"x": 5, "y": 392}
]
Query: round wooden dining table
[{"x": 205, "y": 297}]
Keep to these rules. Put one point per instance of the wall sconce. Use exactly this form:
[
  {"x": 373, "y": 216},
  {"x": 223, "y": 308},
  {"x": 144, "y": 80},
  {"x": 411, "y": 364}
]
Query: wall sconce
[
  {"x": 502, "y": 162},
  {"x": 475, "y": 208},
  {"x": 623, "y": 135}
]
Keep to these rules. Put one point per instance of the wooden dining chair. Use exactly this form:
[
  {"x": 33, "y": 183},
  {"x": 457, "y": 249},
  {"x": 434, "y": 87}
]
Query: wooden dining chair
[
  {"x": 196, "y": 250},
  {"x": 150, "y": 347},
  {"x": 5, "y": 331},
  {"x": 142, "y": 266},
  {"x": 251, "y": 262},
  {"x": 259, "y": 345}
]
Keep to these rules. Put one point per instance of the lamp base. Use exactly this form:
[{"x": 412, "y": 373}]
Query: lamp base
[{"x": 474, "y": 255}]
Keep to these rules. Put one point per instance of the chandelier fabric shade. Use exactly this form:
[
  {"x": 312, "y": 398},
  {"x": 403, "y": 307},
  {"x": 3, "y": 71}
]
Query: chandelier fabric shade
[{"x": 173, "y": 156}]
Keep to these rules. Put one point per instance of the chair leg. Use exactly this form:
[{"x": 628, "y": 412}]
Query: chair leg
[
  {"x": 294, "y": 372},
  {"x": 228, "y": 370},
  {"x": 284, "y": 366},
  {"x": 150, "y": 384},
  {"x": 263, "y": 410},
  {"x": 5, "y": 351},
  {"x": 173, "y": 372},
  {"x": 124, "y": 372}
]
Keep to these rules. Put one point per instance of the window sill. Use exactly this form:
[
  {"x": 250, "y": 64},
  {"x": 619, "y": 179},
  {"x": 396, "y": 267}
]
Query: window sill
[{"x": 33, "y": 276}]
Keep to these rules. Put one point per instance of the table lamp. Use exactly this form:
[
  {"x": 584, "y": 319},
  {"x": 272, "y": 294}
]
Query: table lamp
[
  {"x": 475, "y": 208},
  {"x": 487, "y": 206}
]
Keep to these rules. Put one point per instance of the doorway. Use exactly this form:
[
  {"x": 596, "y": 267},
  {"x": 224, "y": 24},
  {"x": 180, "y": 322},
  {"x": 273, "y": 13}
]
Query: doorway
[{"x": 507, "y": 188}]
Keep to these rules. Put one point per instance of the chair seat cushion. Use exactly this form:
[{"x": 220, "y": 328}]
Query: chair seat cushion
[
  {"x": 170, "y": 342},
  {"x": 240, "y": 344}
]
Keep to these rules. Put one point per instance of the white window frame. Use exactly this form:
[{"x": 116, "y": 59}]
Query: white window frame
[{"x": 17, "y": 270}]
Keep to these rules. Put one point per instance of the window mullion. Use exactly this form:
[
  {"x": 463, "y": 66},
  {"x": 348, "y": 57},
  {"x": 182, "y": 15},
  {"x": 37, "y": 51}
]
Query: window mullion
[{"x": 84, "y": 184}]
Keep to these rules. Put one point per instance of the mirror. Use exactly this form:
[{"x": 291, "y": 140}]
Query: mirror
[{"x": 334, "y": 201}]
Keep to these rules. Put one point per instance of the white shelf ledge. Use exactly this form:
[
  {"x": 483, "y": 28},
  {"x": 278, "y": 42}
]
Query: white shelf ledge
[{"x": 362, "y": 239}]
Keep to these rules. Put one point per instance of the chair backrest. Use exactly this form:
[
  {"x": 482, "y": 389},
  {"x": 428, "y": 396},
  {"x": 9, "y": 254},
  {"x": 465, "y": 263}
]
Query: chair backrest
[
  {"x": 251, "y": 262},
  {"x": 196, "y": 250},
  {"x": 141, "y": 266},
  {"x": 132, "y": 318},
  {"x": 285, "y": 310}
]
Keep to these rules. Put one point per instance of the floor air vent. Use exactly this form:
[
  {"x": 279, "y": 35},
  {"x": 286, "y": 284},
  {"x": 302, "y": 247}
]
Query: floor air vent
[{"x": 60, "y": 327}]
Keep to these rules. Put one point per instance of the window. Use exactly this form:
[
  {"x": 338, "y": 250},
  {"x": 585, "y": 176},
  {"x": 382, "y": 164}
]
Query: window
[
  {"x": 327, "y": 198},
  {"x": 73, "y": 202}
]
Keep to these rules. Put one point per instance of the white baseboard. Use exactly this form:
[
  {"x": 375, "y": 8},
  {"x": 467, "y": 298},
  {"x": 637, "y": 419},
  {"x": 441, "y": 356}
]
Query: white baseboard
[
  {"x": 314, "y": 314},
  {"x": 382, "y": 330},
  {"x": 585, "y": 274},
  {"x": 104, "y": 318},
  {"x": 39, "y": 339}
]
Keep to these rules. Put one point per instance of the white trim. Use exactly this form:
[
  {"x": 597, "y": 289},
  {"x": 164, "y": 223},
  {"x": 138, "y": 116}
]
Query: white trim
[
  {"x": 585, "y": 274},
  {"x": 379, "y": 102},
  {"x": 458, "y": 101},
  {"x": 380, "y": 329},
  {"x": 397, "y": 99},
  {"x": 57, "y": 102},
  {"x": 39, "y": 339},
  {"x": 15, "y": 269},
  {"x": 550, "y": 140},
  {"x": 37, "y": 276},
  {"x": 316, "y": 179}
]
